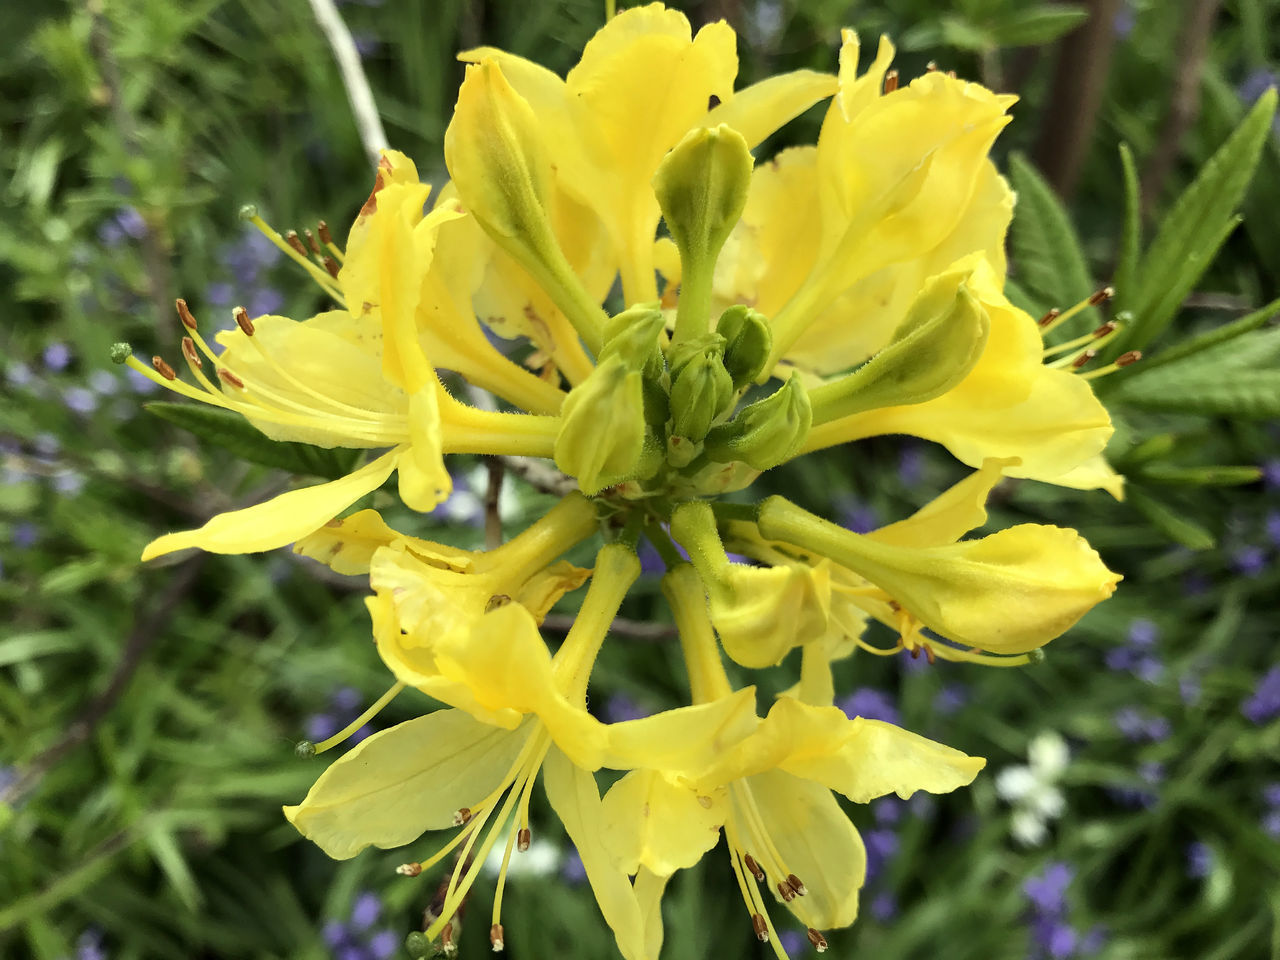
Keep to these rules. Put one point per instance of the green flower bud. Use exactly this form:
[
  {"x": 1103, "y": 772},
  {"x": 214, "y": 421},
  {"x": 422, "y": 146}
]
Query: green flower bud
[
  {"x": 602, "y": 429},
  {"x": 681, "y": 451},
  {"x": 936, "y": 346},
  {"x": 700, "y": 392},
  {"x": 767, "y": 432},
  {"x": 418, "y": 945},
  {"x": 748, "y": 341},
  {"x": 633, "y": 335},
  {"x": 681, "y": 354},
  {"x": 701, "y": 186},
  {"x": 657, "y": 406}
]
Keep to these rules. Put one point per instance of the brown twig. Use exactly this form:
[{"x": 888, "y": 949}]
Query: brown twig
[
  {"x": 492, "y": 496},
  {"x": 1084, "y": 60},
  {"x": 1184, "y": 100},
  {"x": 630, "y": 629},
  {"x": 154, "y": 253},
  {"x": 147, "y": 626}
]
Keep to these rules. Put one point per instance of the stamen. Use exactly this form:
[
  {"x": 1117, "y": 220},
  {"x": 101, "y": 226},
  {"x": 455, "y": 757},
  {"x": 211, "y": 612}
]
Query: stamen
[
  {"x": 495, "y": 937},
  {"x": 243, "y": 321},
  {"x": 184, "y": 314},
  {"x": 462, "y": 816},
  {"x": 1049, "y": 317},
  {"x": 325, "y": 236},
  {"x": 409, "y": 869},
  {"x": 311, "y": 243},
  {"x": 163, "y": 368},
  {"x": 230, "y": 378},
  {"x": 325, "y": 281},
  {"x": 891, "y": 81},
  {"x": 929, "y": 654},
  {"x": 331, "y": 265},
  {"x": 817, "y": 939},
  {"x": 292, "y": 239},
  {"x": 930, "y": 67},
  {"x": 1124, "y": 360},
  {"x": 1048, "y": 323},
  {"x": 189, "y": 351},
  {"x": 754, "y": 867},
  {"x": 796, "y": 885},
  {"x": 785, "y": 891},
  {"x": 1106, "y": 293},
  {"x": 523, "y": 839},
  {"x": 1084, "y": 357},
  {"x": 364, "y": 718},
  {"x": 761, "y": 928},
  {"x": 1101, "y": 335}
]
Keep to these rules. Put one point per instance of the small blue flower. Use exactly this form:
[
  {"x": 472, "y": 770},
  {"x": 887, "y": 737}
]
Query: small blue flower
[
  {"x": 80, "y": 400},
  {"x": 884, "y": 907},
  {"x": 1271, "y": 824},
  {"x": 1047, "y": 891},
  {"x": 1199, "y": 859},
  {"x": 620, "y": 708},
  {"x": 870, "y": 703},
  {"x": 793, "y": 942},
  {"x": 384, "y": 944},
  {"x": 1256, "y": 84},
  {"x": 572, "y": 870},
  {"x": 365, "y": 911},
  {"x": 57, "y": 356},
  {"x": 265, "y": 301},
  {"x": 25, "y": 535},
  {"x": 89, "y": 945},
  {"x": 335, "y": 933},
  {"x": 1249, "y": 561},
  {"x": 1264, "y": 705}
]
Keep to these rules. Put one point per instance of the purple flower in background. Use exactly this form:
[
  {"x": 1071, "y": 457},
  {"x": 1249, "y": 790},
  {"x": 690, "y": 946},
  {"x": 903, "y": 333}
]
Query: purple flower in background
[
  {"x": 25, "y": 535},
  {"x": 139, "y": 382},
  {"x": 1126, "y": 19},
  {"x": 125, "y": 222},
  {"x": 881, "y": 845},
  {"x": 870, "y": 703},
  {"x": 1056, "y": 938},
  {"x": 1199, "y": 859},
  {"x": 887, "y": 810},
  {"x": 650, "y": 560},
  {"x": 1271, "y": 474},
  {"x": 1264, "y": 705},
  {"x": 57, "y": 356},
  {"x": 1271, "y": 824},
  {"x": 1271, "y": 794},
  {"x": 367, "y": 44},
  {"x": 347, "y": 699},
  {"x": 264, "y": 301},
  {"x": 1143, "y": 633},
  {"x": 80, "y": 400},
  {"x": 884, "y": 907},
  {"x": 1256, "y": 84},
  {"x": 89, "y": 945},
  {"x": 321, "y": 726},
  {"x": 1249, "y": 561},
  {"x": 572, "y": 871},
  {"x": 365, "y": 911},
  {"x": 1189, "y": 689},
  {"x": 335, "y": 934},
  {"x": 219, "y": 294},
  {"x": 1138, "y": 654},
  {"x": 68, "y": 482},
  {"x": 18, "y": 374},
  {"x": 793, "y": 942},
  {"x": 103, "y": 382},
  {"x": 951, "y": 698},
  {"x": 1138, "y": 726},
  {"x": 620, "y": 708},
  {"x": 1047, "y": 891},
  {"x": 858, "y": 516},
  {"x": 1273, "y": 528},
  {"x": 911, "y": 463},
  {"x": 384, "y": 944}
]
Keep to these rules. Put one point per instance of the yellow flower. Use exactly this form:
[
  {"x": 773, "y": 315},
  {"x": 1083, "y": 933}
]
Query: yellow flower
[
  {"x": 361, "y": 377},
  {"x": 772, "y": 791}
]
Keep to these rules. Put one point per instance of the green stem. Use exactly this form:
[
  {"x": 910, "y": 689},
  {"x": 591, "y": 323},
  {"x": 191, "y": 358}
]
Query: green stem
[
  {"x": 707, "y": 679},
  {"x": 616, "y": 570}
]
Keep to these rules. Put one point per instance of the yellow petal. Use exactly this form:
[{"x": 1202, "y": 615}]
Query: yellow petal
[
  {"x": 652, "y": 821},
  {"x": 818, "y": 844},
  {"x": 281, "y": 520},
  {"x": 685, "y": 739},
  {"x": 950, "y": 515},
  {"x": 347, "y": 545},
  {"x": 766, "y": 611},
  {"x": 544, "y": 589},
  {"x": 1094, "y": 474},
  {"x": 878, "y": 758},
  {"x": 649, "y": 888},
  {"x": 575, "y": 798},
  {"x": 403, "y": 781},
  {"x": 424, "y": 480},
  {"x": 760, "y": 109}
]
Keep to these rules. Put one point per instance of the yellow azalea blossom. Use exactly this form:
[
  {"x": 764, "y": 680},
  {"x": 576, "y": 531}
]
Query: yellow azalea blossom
[
  {"x": 772, "y": 792},
  {"x": 360, "y": 377}
]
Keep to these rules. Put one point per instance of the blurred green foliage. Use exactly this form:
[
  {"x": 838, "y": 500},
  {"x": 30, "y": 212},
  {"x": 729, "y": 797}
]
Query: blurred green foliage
[{"x": 147, "y": 715}]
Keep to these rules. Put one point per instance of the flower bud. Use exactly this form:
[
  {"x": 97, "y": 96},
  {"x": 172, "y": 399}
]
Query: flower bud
[
  {"x": 767, "y": 432},
  {"x": 701, "y": 391},
  {"x": 934, "y": 348},
  {"x": 602, "y": 430},
  {"x": 748, "y": 342},
  {"x": 633, "y": 336}
]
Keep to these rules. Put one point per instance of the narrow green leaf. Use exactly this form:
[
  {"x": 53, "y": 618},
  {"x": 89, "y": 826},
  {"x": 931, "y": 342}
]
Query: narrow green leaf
[
  {"x": 1172, "y": 524},
  {"x": 1198, "y": 224},
  {"x": 1045, "y": 247},
  {"x": 1223, "y": 476},
  {"x": 1212, "y": 338},
  {"x": 1131, "y": 235},
  {"x": 1247, "y": 393},
  {"x": 164, "y": 847},
  {"x": 1039, "y": 25},
  {"x": 37, "y": 643},
  {"x": 234, "y": 433}
]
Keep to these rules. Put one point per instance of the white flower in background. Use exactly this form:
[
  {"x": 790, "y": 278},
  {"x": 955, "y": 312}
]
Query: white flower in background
[
  {"x": 541, "y": 859},
  {"x": 1032, "y": 790}
]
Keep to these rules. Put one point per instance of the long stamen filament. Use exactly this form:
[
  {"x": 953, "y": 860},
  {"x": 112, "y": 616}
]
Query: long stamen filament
[
  {"x": 318, "y": 274},
  {"x": 1055, "y": 318},
  {"x": 517, "y": 828},
  {"x": 1095, "y": 338},
  {"x": 361, "y": 720}
]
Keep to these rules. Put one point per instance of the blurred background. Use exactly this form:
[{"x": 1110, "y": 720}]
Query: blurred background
[{"x": 1131, "y": 805}]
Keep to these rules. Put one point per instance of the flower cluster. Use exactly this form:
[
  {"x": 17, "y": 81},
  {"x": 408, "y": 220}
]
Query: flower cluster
[{"x": 839, "y": 291}]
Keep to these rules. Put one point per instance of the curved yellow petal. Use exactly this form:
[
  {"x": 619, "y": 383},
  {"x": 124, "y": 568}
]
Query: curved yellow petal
[
  {"x": 403, "y": 781},
  {"x": 953, "y": 513},
  {"x": 281, "y": 520},
  {"x": 348, "y": 545},
  {"x": 684, "y": 739},
  {"x": 760, "y": 109},
  {"x": 425, "y": 481},
  {"x": 650, "y": 820}
]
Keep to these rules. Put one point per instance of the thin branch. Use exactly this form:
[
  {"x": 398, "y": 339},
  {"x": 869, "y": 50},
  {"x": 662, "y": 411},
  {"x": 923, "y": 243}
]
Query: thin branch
[
  {"x": 1184, "y": 102},
  {"x": 363, "y": 108},
  {"x": 492, "y": 496},
  {"x": 630, "y": 629}
]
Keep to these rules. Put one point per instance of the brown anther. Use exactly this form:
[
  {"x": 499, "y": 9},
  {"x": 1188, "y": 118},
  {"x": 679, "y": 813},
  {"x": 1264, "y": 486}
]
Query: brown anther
[
  {"x": 523, "y": 839},
  {"x": 163, "y": 368},
  {"x": 929, "y": 655},
  {"x": 322, "y": 228},
  {"x": 754, "y": 867},
  {"x": 891, "y": 81},
  {"x": 184, "y": 314},
  {"x": 1102, "y": 331},
  {"x": 311, "y": 242},
  {"x": 462, "y": 816},
  {"x": 1049, "y": 317},
  {"x": 785, "y": 891},
  {"x": 796, "y": 884},
  {"x": 331, "y": 265},
  {"x": 292, "y": 239},
  {"x": 1106, "y": 293},
  {"x": 409, "y": 869},
  {"x": 189, "y": 351},
  {"x": 761, "y": 927},
  {"x": 930, "y": 67},
  {"x": 230, "y": 379},
  {"x": 915, "y": 653},
  {"x": 1084, "y": 358},
  {"x": 495, "y": 937},
  {"x": 817, "y": 939},
  {"x": 243, "y": 321},
  {"x": 496, "y": 601},
  {"x": 1126, "y": 359}
]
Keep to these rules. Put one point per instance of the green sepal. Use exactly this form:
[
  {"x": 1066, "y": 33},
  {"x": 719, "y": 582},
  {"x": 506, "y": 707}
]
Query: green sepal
[
  {"x": 765, "y": 433},
  {"x": 748, "y": 340}
]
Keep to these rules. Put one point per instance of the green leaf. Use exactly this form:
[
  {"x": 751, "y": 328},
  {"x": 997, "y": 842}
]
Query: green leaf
[
  {"x": 1194, "y": 230},
  {"x": 234, "y": 433},
  {"x": 1039, "y": 25},
  {"x": 1172, "y": 524},
  {"x": 1247, "y": 393},
  {"x": 1223, "y": 476},
  {"x": 1131, "y": 237},
  {"x": 1045, "y": 247},
  {"x": 1217, "y": 337}
]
